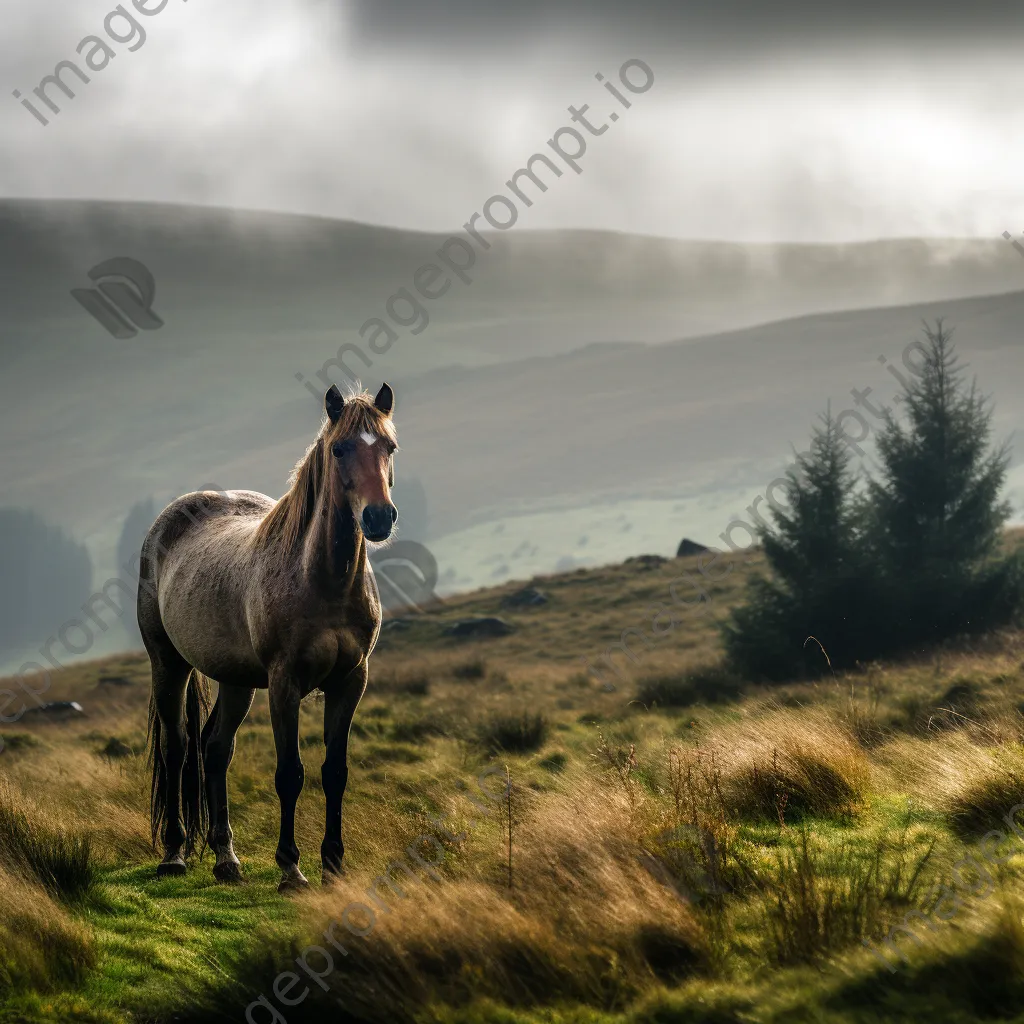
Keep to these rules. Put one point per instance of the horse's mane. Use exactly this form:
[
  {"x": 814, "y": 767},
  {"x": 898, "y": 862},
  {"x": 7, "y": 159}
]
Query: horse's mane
[{"x": 290, "y": 518}]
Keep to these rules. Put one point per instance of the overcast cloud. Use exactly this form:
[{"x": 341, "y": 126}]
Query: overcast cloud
[{"x": 765, "y": 122}]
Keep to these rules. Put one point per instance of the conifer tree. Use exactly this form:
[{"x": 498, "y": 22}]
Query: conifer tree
[
  {"x": 937, "y": 507},
  {"x": 815, "y": 552}
]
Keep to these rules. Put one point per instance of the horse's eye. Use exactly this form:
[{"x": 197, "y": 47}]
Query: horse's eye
[{"x": 340, "y": 448}]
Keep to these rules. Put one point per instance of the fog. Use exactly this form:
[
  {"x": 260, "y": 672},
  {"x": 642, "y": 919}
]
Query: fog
[{"x": 785, "y": 123}]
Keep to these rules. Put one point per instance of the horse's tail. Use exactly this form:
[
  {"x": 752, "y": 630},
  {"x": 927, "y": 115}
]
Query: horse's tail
[{"x": 195, "y": 817}]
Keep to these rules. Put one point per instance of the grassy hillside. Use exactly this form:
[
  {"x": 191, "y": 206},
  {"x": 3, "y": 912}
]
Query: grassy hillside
[{"x": 685, "y": 847}]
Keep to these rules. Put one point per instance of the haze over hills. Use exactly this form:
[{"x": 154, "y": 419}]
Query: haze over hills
[{"x": 588, "y": 396}]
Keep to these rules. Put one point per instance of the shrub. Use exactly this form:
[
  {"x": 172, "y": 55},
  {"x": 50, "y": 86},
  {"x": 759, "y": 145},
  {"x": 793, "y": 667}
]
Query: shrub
[
  {"x": 555, "y": 762},
  {"x": 710, "y": 684},
  {"x": 115, "y": 748},
  {"x": 20, "y": 741},
  {"x": 514, "y": 734},
  {"x": 475, "y": 668},
  {"x": 415, "y": 730}
]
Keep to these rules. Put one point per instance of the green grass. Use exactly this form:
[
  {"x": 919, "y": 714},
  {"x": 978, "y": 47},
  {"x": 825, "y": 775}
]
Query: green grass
[
  {"x": 163, "y": 943},
  {"x": 818, "y": 831}
]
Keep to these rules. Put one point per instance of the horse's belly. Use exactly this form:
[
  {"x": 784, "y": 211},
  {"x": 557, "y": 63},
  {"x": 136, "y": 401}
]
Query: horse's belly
[
  {"x": 219, "y": 653},
  {"x": 208, "y": 627}
]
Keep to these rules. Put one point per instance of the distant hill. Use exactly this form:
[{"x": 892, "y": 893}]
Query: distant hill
[
  {"x": 536, "y": 387},
  {"x": 241, "y": 279}
]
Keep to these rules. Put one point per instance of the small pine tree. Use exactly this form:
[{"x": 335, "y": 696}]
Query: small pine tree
[
  {"x": 937, "y": 507},
  {"x": 818, "y": 539},
  {"x": 815, "y": 551},
  {"x": 936, "y": 512}
]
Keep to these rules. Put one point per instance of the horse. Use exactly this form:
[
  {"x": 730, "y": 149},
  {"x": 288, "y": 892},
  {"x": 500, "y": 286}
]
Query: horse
[{"x": 256, "y": 594}]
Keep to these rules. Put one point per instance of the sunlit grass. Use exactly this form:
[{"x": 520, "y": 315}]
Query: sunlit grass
[{"x": 607, "y": 830}]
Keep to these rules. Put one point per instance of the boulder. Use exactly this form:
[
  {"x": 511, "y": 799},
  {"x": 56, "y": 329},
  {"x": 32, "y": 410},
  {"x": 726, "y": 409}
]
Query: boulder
[
  {"x": 690, "y": 547},
  {"x": 397, "y": 625},
  {"x": 115, "y": 681},
  {"x": 645, "y": 562},
  {"x": 485, "y": 627},
  {"x": 56, "y": 710},
  {"x": 528, "y": 597}
]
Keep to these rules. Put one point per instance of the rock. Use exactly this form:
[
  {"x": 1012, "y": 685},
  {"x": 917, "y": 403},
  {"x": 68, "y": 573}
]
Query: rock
[
  {"x": 528, "y": 597},
  {"x": 485, "y": 627},
  {"x": 56, "y": 710},
  {"x": 690, "y": 547},
  {"x": 116, "y": 748},
  {"x": 115, "y": 681},
  {"x": 395, "y": 625},
  {"x": 645, "y": 562}
]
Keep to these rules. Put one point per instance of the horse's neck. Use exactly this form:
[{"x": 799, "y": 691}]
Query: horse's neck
[{"x": 334, "y": 552}]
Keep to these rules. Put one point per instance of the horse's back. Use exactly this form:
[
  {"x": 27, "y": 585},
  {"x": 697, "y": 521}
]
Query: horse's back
[
  {"x": 197, "y": 561},
  {"x": 196, "y": 516}
]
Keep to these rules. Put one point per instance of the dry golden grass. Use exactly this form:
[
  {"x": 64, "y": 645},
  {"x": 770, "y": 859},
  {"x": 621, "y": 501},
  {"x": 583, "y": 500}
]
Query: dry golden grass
[
  {"x": 973, "y": 785},
  {"x": 583, "y": 918},
  {"x": 791, "y": 762},
  {"x": 42, "y": 945}
]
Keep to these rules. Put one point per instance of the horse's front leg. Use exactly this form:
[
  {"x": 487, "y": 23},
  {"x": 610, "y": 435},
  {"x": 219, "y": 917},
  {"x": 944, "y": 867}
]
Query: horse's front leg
[
  {"x": 284, "y": 717},
  {"x": 339, "y": 707}
]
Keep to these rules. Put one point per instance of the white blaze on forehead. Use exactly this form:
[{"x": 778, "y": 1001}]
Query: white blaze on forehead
[{"x": 368, "y": 438}]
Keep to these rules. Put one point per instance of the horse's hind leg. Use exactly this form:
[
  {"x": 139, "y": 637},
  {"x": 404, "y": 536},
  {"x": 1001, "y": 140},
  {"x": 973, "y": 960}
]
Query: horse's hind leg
[
  {"x": 170, "y": 679},
  {"x": 232, "y": 706}
]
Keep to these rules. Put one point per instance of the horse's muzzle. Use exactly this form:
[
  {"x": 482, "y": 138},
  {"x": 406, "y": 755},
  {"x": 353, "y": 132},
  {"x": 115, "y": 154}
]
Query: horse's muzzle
[{"x": 378, "y": 520}]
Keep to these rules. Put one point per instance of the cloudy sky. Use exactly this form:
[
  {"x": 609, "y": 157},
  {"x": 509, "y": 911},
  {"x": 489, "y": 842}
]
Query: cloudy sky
[{"x": 823, "y": 121}]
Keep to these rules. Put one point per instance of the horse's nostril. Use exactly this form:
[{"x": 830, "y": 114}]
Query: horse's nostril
[
  {"x": 378, "y": 520},
  {"x": 394, "y": 514}
]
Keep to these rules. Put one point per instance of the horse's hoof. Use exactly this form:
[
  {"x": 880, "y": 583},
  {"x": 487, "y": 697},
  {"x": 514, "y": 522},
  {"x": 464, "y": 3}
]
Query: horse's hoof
[
  {"x": 293, "y": 882},
  {"x": 170, "y": 868},
  {"x": 229, "y": 871}
]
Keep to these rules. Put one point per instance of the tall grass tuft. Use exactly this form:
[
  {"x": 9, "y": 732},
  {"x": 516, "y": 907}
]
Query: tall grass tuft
[
  {"x": 709, "y": 684},
  {"x": 514, "y": 734},
  {"x": 826, "y": 896},
  {"x": 42, "y": 947},
  {"x": 701, "y": 848},
  {"x": 60, "y": 859},
  {"x": 474, "y": 668},
  {"x": 792, "y": 763}
]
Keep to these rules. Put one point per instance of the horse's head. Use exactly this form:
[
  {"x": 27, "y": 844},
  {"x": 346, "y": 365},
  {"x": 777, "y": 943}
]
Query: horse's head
[{"x": 361, "y": 440}]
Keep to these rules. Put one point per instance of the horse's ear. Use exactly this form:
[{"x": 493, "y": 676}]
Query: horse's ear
[
  {"x": 334, "y": 403},
  {"x": 385, "y": 400}
]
